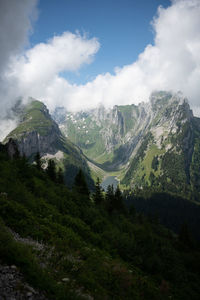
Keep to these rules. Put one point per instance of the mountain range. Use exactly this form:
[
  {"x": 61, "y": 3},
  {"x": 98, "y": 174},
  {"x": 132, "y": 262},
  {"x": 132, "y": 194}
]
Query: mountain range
[{"x": 154, "y": 144}]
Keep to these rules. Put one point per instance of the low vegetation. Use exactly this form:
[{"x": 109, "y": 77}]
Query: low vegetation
[{"x": 93, "y": 247}]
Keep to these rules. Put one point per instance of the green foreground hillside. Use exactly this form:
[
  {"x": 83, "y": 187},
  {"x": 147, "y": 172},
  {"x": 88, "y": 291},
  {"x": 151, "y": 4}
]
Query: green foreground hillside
[{"x": 89, "y": 249}]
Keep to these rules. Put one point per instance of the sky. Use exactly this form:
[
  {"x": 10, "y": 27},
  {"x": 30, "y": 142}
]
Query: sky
[
  {"x": 122, "y": 28},
  {"x": 80, "y": 53}
]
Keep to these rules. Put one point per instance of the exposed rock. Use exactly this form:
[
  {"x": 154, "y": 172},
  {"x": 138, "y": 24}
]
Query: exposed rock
[
  {"x": 28, "y": 241},
  {"x": 65, "y": 280},
  {"x": 12, "y": 148},
  {"x": 13, "y": 285},
  {"x": 32, "y": 142}
]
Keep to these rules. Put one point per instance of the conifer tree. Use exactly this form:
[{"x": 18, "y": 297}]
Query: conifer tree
[
  {"x": 110, "y": 199},
  {"x": 119, "y": 203},
  {"x": 98, "y": 195},
  {"x": 80, "y": 183},
  {"x": 38, "y": 161},
  {"x": 51, "y": 169}
]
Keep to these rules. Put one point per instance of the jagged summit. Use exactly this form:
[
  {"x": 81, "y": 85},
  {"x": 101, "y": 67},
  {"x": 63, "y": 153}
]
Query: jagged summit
[
  {"x": 101, "y": 131},
  {"x": 126, "y": 139}
]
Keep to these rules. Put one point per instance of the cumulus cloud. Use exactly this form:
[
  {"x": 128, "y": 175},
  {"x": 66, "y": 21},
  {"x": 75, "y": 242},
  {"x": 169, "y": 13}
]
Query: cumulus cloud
[{"x": 38, "y": 70}]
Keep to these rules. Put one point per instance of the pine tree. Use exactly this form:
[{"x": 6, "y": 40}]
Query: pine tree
[
  {"x": 119, "y": 202},
  {"x": 80, "y": 183},
  {"x": 38, "y": 161},
  {"x": 110, "y": 199},
  {"x": 98, "y": 195},
  {"x": 51, "y": 169}
]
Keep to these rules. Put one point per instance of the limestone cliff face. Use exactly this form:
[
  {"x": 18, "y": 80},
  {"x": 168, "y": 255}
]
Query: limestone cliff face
[
  {"x": 129, "y": 137},
  {"x": 32, "y": 142},
  {"x": 101, "y": 132}
]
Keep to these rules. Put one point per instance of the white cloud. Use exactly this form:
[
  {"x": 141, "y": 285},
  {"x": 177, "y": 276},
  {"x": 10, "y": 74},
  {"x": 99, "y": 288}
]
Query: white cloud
[
  {"x": 37, "y": 73},
  {"x": 45, "y": 61},
  {"x": 172, "y": 63}
]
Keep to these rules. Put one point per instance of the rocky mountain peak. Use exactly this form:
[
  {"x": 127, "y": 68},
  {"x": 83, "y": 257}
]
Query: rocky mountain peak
[{"x": 36, "y": 131}]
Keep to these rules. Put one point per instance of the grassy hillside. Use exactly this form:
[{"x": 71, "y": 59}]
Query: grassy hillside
[
  {"x": 33, "y": 116},
  {"x": 173, "y": 165},
  {"x": 87, "y": 250}
]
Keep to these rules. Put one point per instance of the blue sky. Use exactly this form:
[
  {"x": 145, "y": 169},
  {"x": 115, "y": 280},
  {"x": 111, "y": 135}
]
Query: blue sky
[{"x": 123, "y": 28}]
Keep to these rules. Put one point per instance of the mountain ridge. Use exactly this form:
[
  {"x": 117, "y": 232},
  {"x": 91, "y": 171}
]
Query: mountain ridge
[
  {"x": 152, "y": 145},
  {"x": 131, "y": 139}
]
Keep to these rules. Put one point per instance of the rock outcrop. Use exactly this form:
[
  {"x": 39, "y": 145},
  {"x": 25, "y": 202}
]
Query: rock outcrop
[{"x": 13, "y": 285}]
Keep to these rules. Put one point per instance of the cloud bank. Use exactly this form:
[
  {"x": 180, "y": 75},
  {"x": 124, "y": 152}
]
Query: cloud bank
[
  {"x": 171, "y": 63},
  {"x": 15, "y": 26}
]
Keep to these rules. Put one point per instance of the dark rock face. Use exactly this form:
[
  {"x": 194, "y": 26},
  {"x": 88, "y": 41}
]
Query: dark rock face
[
  {"x": 33, "y": 142},
  {"x": 11, "y": 148},
  {"x": 14, "y": 287}
]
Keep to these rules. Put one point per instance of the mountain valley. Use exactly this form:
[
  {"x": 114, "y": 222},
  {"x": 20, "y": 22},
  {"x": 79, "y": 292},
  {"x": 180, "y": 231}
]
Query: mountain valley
[{"x": 152, "y": 144}]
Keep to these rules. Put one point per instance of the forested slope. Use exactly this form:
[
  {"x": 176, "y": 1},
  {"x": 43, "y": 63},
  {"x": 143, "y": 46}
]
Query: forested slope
[{"x": 91, "y": 246}]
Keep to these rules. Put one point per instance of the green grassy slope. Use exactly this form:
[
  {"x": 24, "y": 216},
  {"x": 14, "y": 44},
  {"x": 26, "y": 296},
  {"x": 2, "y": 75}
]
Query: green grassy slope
[
  {"x": 107, "y": 256},
  {"x": 172, "y": 166},
  {"x": 33, "y": 116}
]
